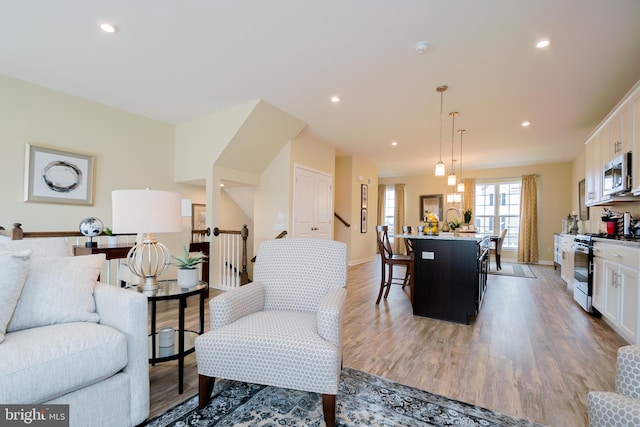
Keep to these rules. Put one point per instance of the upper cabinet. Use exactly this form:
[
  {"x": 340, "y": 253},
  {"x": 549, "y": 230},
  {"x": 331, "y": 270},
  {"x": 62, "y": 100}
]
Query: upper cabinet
[
  {"x": 618, "y": 134},
  {"x": 634, "y": 125},
  {"x": 593, "y": 170}
]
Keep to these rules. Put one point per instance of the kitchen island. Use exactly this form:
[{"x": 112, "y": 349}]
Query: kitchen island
[{"x": 449, "y": 274}]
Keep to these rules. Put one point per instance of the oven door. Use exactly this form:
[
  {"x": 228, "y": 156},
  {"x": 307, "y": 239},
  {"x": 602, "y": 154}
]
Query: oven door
[{"x": 582, "y": 287}]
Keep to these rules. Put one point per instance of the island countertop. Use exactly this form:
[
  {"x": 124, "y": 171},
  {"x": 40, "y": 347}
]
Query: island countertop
[{"x": 478, "y": 237}]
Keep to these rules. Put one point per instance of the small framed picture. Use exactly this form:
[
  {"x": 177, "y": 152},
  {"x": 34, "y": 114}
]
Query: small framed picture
[
  {"x": 56, "y": 176},
  {"x": 198, "y": 216},
  {"x": 363, "y": 220},
  {"x": 364, "y": 196}
]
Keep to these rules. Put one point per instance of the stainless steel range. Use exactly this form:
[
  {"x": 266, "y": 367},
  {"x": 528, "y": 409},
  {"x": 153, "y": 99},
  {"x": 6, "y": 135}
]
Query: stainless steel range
[{"x": 583, "y": 271}]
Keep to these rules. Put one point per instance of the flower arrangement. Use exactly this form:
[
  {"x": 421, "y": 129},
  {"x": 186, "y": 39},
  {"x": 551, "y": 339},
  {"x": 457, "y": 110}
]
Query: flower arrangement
[{"x": 431, "y": 222}]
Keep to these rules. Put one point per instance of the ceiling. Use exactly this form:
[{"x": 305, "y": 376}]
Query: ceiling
[{"x": 175, "y": 61}]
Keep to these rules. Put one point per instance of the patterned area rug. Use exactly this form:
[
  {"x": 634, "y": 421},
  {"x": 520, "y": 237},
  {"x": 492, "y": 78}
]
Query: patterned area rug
[
  {"x": 363, "y": 400},
  {"x": 512, "y": 269}
]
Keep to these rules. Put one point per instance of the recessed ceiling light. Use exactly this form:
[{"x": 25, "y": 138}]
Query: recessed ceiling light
[
  {"x": 108, "y": 28},
  {"x": 394, "y": 143},
  {"x": 221, "y": 184},
  {"x": 526, "y": 123},
  {"x": 335, "y": 99},
  {"x": 543, "y": 43}
]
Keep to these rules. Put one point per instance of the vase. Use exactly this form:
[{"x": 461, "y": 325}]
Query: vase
[
  {"x": 112, "y": 241},
  {"x": 188, "y": 277}
]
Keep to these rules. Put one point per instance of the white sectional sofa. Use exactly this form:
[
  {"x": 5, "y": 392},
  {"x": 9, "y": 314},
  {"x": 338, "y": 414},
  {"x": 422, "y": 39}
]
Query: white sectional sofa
[{"x": 67, "y": 339}]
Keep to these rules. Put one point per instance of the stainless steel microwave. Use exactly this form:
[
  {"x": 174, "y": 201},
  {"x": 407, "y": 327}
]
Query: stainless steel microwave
[{"x": 617, "y": 175}]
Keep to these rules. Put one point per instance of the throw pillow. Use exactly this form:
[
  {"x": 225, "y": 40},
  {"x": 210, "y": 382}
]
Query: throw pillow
[
  {"x": 13, "y": 273},
  {"x": 45, "y": 246},
  {"x": 58, "y": 290}
]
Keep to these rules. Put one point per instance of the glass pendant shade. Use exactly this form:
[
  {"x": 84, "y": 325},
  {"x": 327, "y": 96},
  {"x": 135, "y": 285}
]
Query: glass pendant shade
[
  {"x": 461, "y": 187},
  {"x": 451, "y": 179},
  {"x": 457, "y": 198},
  {"x": 440, "y": 169}
]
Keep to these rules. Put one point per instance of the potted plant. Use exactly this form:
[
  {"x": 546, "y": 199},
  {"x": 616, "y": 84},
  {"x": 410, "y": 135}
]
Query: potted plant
[
  {"x": 467, "y": 216},
  {"x": 188, "y": 268},
  {"x": 112, "y": 239}
]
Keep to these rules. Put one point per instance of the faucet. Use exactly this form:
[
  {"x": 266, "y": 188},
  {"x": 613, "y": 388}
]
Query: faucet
[{"x": 456, "y": 210}]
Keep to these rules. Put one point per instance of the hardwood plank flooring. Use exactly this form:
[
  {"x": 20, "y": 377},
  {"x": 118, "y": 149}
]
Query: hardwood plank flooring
[{"x": 532, "y": 352}]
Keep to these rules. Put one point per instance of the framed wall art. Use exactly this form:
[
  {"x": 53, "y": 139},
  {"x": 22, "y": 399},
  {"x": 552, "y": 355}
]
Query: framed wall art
[
  {"x": 56, "y": 176},
  {"x": 584, "y": 209},
  {"x": 431, "y": 203},
  {"x": 364, "y": 196},
  {"x": 198, "y": 216},
  {"x": 363, "y": 220}
]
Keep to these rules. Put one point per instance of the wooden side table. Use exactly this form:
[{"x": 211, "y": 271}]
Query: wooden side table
[{"x": 185, "y": 339}]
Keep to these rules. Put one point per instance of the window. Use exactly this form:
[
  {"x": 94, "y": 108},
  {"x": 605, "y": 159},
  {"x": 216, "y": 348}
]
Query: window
[
  {"x": 390, "y": 209},
  {"x": 498, "y": 207}
]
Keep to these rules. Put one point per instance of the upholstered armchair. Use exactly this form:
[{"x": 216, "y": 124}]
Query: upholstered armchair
[
  {"x": 622, "y": 408},
  {"x": 285, "y": 328}
]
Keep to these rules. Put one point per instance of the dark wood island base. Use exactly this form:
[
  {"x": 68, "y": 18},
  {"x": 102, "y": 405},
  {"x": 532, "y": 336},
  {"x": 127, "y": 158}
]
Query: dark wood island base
[{"x": 450, "y": 275}]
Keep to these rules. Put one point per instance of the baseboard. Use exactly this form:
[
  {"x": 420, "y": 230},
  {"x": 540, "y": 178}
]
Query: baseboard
[{"x": 361, "y": 261}]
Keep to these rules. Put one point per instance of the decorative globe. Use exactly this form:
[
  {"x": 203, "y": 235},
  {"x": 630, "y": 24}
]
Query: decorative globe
[{"x": 91, "y": 227}]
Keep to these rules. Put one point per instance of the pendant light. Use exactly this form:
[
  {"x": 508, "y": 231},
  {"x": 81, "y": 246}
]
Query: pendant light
[
  {"x": 440, "y": 166},
  {"x": 451, "y": 180},
  {"x": 461, "y": 183}
]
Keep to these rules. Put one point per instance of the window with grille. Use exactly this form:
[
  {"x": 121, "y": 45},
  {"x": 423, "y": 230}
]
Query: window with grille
[
  {"x": 390, "y": 209},
  {"x": 497, "y": 207}
]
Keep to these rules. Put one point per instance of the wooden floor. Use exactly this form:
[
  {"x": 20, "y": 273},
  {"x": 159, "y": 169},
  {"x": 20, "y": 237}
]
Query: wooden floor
[{"x": 532, "y": 352}]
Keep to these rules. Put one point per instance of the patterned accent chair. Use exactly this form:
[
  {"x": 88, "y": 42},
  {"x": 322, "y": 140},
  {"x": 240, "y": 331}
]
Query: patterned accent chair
[
  {"x": 285, "y": 328},
  {"x": 622, "y": 408}
]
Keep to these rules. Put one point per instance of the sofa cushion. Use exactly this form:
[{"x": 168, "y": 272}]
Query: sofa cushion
[
  {"x": 58, "y": 290},
  {"x": 44, "y": 246},
  {"x": 40, "y": 364},
  {"x": 13, "y": 273}
]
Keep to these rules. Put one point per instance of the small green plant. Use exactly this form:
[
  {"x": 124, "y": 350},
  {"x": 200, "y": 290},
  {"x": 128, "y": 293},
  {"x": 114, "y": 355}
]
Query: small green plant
[
  {"x": 187, "y": 261},
  {"x": 107, "y": 231},
  {"x": 454, "y": 224},
  {"x": 467, "y": 216}
]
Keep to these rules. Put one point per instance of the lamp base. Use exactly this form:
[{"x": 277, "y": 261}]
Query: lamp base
[
  {"x": 90, "y": 244},
  {"x": 148, "y": 259}
]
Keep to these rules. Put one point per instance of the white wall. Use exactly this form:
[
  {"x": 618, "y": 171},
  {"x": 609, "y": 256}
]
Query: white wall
[{"x": 130, "y": 152}]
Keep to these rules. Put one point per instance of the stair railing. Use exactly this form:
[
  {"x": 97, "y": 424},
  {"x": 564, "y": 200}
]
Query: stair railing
[{"x": 232, "y": 257}]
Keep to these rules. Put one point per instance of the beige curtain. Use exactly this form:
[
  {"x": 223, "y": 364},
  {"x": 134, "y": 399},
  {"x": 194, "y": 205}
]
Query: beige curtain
[
  {"x": 469, "y": 195},
  {"x": 382, "y": 190},
  {"x": 528, "y": 238},
  {"x": 398, "y": 244}
]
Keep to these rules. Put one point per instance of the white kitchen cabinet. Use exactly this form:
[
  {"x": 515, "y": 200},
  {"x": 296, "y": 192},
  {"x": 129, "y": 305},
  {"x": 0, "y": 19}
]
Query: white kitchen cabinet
[
  {"x": 593, "y": 170},
  {"x": 635, "y": 143},
  {"x": 567, "y": 263},
  {"x": 616, "y": 272},
  {"x": 597, "y": 299},
  {"x": 557, "y": 251}
]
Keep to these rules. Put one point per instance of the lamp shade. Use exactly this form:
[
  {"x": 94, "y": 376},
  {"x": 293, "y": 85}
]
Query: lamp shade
[{"x": 146, "y": 211}]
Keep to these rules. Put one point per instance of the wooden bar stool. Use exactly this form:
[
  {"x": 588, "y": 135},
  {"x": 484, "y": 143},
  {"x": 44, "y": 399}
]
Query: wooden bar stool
[{"x": 388, "y": 261}]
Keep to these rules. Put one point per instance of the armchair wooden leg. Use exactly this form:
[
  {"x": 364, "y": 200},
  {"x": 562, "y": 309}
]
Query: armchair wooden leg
[
  {"x": 205, "y": 387},
  {"x": 329, "y": 409}
]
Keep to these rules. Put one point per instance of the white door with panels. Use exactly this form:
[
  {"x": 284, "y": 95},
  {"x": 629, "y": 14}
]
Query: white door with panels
[{"x": 312, "y": 204}]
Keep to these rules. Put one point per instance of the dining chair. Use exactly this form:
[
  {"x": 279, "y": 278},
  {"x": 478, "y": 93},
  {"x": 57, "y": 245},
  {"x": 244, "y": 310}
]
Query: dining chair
[
  {"x": 408, "y": 244},
  {"x": 388, "y": 261},
  {"x": 497, "y": 249}
]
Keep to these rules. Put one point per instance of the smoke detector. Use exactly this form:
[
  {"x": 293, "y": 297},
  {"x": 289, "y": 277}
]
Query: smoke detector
[{"x": 422, "y": 47}]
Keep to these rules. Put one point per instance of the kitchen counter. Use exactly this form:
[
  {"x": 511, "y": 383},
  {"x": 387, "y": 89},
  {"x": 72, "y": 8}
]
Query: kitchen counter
[
  {"x": 449, "y": 274},
  {"x": 478, "y": 237}
]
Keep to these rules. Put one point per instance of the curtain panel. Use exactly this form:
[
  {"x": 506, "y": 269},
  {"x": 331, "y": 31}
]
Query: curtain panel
[
  {"x": 528, "y": 238},
  {"x": 469, "y": 195},
  {"x": 399, "y": 214},
  {"x": 382, "y": 190}
]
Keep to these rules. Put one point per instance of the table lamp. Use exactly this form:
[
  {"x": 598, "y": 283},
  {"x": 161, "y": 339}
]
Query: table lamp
[{"x": 145, "y": 212}]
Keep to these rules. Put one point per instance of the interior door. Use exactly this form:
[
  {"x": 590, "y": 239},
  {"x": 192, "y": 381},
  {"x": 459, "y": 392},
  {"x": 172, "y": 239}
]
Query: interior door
[{"x": 312, "y": 204}]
